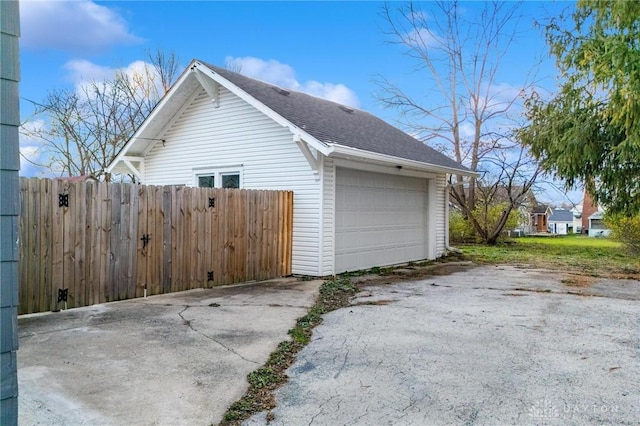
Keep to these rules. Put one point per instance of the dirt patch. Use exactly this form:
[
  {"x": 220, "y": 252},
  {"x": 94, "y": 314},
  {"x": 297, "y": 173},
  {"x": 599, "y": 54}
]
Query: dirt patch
[
  {"x": 416, "y": 271},
  {"x": 374, "y": 303},
  {"x": 581, "y": 281}
]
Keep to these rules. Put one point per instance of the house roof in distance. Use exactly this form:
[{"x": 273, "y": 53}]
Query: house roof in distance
[
  {"x": 333, "y": 123},
  {"x": 540, "y": 209},
  {"x": 561, "y": 215}
]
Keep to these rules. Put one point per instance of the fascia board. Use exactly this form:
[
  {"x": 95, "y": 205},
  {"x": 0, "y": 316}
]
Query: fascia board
[
  {"x": 341, "y": 150},
  {"x": 315, "y": 143},
  {"x": 138, "y": 134},
  {"x": 149, "y": 146}
]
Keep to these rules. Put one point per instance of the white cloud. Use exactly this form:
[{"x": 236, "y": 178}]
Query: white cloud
[
  {"x": 78, "y": 26},
  {"x": 467, "y": 131},
  {"x": 82, "y": 70},
  {"x": 283, "y": 75},
  {"x": 502, "y": 96},
  {"x": 85, "y": 74},
  {"x": 505, "y": 92},
  {"x": 423, "y": 38},
  {"x": 31, "y": 148},
  {"x": 272, "y": 71}
]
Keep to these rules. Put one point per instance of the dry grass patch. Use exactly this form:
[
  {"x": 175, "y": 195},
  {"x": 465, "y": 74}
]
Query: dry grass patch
[{"x": 581, "y": 281}]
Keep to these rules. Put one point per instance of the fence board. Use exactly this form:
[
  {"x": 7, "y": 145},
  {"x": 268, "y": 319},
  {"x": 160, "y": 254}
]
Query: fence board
[
  {"x": 166, "y": 239},
  {"x": 132, "y": 244},
  {"x": 176, "y": 238},
  {"x": 104, "y": 206},
  {"x": 93, "y": 247},
  {"x": 88, "y": 242},
  {"x": 141, "y": 251},
  {"x": 78, "y": 219}
]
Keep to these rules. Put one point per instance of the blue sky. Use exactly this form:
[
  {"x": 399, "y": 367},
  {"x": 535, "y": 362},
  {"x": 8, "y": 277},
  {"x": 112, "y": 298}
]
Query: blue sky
[{"x": 331, "y": 49}]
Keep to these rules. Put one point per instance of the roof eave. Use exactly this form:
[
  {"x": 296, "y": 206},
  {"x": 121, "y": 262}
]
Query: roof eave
[{"x": 336, "y": 150}]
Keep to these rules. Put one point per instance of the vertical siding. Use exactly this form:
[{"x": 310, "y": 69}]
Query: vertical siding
[
  {"x": 441, "y": 222},
  {"x": 237, "y": 134},
  {"x": 328, "y": 216}
]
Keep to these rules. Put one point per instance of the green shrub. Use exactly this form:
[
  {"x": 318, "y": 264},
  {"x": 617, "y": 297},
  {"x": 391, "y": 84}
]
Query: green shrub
[
  {"x": 626, "y": 230},
  {"x": 462, "y": 231},
  {"x": 460, "y": 228}
]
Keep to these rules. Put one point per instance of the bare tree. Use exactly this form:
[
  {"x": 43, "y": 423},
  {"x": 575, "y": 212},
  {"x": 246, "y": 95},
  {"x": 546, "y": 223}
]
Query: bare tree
[
  {"x": 88, "y": 125},
  {"x": 464, "y": 111},
  {"x": 165, "y": 67}
]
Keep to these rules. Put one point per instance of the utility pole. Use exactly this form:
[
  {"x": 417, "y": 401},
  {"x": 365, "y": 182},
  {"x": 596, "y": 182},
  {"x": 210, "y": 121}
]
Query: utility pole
[{"x": 9, "y": 207}]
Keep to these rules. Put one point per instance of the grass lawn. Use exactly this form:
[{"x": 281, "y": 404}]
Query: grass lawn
[{"x": 571, "y": 253}]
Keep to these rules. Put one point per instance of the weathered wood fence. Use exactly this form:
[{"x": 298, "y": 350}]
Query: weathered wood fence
[{"x": 110, "y": 241}]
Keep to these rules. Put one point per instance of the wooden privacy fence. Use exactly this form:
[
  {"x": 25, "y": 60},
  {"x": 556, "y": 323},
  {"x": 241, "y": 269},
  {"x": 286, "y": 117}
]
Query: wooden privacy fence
[{"x": 109, "y": 241}]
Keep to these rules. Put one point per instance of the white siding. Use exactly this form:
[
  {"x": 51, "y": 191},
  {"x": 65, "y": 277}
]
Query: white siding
[
  {"x": 328, "y": 216},
  {"x": 440, "y": 216},
  {"x": 237, "y": 134}
]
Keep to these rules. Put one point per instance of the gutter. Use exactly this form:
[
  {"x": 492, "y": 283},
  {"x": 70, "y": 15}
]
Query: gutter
[{"x": 359, "y": 154}]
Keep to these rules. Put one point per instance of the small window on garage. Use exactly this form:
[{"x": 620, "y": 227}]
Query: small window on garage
[
  {"x": 230, "y": 180},
  {"x": 207, "y": 181},
  {"x": 223, "y": 177}
]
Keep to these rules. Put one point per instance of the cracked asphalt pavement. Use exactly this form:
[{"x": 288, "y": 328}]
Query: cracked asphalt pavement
[
  {"x": 486, "y": 345},
  {"x": 174, "y": 359}
]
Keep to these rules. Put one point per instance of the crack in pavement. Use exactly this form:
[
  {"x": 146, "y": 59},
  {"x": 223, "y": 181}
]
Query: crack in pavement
[
  {"x": 321, "y": 407},
  {"x": 344, "y": 362},
  {"x": 188, "y": 323}
]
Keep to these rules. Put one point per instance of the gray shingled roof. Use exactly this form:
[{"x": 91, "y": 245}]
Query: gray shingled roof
[
  {"x": 333, "y": 123},
  {"x": 559, "y": 215}
]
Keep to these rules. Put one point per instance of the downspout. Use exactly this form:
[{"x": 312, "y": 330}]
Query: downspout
[{"x": 446, "y": 221}]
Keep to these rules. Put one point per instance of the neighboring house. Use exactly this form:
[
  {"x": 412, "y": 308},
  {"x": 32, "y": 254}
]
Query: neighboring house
[
  {"x": 597, "y": 227},
  {"x": 576, "y": 211},
  {"x": 365, "y": 193},
  {"x": 588, "y": 218},
  {"x": 560, "y": 221},
  {"x": 538, "y": 219}
]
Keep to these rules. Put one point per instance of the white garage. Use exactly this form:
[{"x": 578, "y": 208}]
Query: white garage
[
  {"x": 365, "y": 193},
  {"x": 381, "y": 219}
]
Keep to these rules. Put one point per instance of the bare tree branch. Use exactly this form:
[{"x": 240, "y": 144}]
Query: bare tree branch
[
  {"x": 466, "y": 112},
  {"x": 88, "y": 126}
]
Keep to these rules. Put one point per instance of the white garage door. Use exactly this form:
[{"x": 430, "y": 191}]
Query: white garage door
[{"x": 380, "y": 219}]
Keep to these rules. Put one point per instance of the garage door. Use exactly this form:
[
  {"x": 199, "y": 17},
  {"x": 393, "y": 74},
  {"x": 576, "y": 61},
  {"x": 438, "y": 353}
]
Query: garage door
[{"x": 380, "y": 219}]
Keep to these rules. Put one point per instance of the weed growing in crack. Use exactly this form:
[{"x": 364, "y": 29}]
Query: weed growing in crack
[
  {"x": 264, "y": 377},
  {"x": 334, "y": 294}
]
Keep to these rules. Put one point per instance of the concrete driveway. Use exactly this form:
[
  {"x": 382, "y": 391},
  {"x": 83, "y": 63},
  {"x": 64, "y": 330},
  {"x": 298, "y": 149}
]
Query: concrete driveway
[
  {"x": 488, "y": 345},
  {"x": 177, "y": 359}
]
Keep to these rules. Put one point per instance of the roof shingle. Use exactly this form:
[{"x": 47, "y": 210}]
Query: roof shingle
[
  {"x": 560, "y": 215},
  {"x": 333, "y": 123}
]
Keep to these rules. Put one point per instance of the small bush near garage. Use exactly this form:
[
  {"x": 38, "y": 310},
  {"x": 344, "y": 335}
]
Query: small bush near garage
[{"x": 461, "y": 230}]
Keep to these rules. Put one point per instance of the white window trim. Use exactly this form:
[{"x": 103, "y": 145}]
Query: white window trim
[{"x": 217, "y": 173}]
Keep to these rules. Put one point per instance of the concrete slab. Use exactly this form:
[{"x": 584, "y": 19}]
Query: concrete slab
[
  {"x": 489, "y": 345},
  {"x": 176, "y": 359}
]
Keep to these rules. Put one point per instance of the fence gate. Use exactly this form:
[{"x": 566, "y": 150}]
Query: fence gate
[{"x": 83, "y": 243}]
